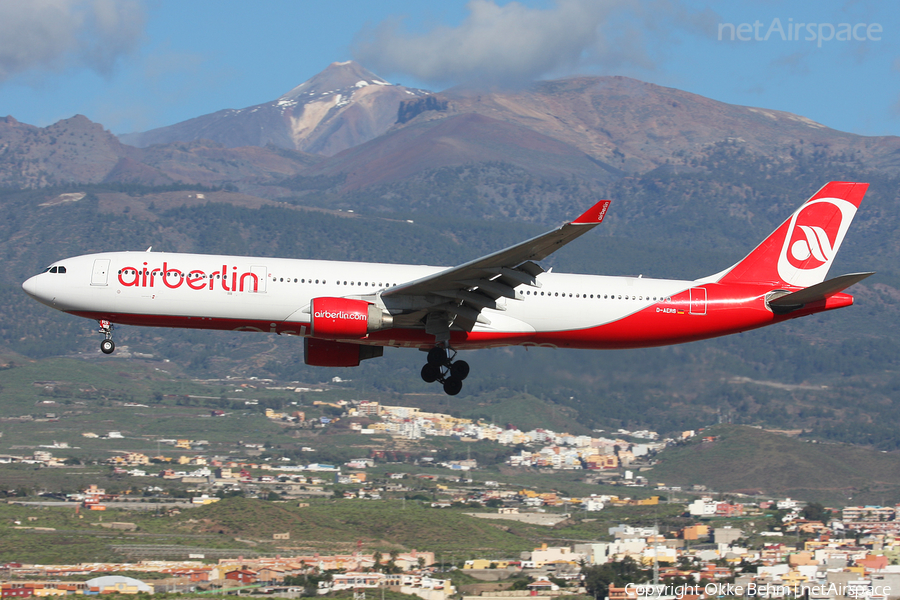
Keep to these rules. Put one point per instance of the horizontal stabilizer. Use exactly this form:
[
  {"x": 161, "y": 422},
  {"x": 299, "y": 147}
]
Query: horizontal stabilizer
[{"x": 820, "y": 291}]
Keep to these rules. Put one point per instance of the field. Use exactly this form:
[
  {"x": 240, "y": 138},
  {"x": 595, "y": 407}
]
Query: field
[
  {"x": 756, "y": 462},
  {"x": 240, "y": 526}
]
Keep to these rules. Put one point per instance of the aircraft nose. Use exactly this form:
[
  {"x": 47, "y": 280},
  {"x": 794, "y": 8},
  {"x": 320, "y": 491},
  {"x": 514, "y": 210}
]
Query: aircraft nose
[{"x": 31, "y": 286}]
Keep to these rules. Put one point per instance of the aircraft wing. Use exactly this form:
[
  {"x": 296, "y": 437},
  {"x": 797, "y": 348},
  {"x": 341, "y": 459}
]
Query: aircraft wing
[{"x": 477, "y": 284}]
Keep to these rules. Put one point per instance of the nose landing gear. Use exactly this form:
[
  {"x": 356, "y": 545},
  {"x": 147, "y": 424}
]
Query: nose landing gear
[
  {"x": 442, "y": 368},
  {"x": 107, "y": 346}
]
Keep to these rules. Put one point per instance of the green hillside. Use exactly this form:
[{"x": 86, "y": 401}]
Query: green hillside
[
  {"x": 751, "y": 461},
  {"x": 342, "y": 523}
]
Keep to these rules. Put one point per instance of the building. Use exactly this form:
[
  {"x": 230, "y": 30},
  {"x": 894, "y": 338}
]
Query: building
[
  {"x": 726, "y": 535},
  {"x": 703, "y": 507},
  {"x": 16, "y": 590},
  {"x": 245, "y": 576},
  {"x": 868, "y": 514},
  {"x": 349, "y": 581},
  {"x": 545, "y": 555},
  {"x": 623, "y": 593},
  {"x": 116, "y": 584},
  {"x": 695, "y": 532}
]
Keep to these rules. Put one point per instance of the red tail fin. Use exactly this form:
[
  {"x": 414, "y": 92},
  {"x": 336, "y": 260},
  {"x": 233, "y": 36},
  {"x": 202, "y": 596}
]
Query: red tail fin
[{"x": 800, "y": 252}]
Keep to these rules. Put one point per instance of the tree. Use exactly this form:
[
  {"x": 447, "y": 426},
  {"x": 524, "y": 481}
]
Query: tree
[
  {"x": 598, "y": 579},
  {"x": 392, "y": 567},
  {"x": 376, "y": 558},
  {"x": 814, "y": 511}
]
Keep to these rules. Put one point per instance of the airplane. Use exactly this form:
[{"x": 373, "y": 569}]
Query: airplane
[{"x": 349, "y": 311}]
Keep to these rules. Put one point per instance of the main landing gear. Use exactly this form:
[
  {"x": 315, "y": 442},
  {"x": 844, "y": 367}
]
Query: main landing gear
[
  {"x": 441, "y": 368},
  {"x": 107, "y": 346}
]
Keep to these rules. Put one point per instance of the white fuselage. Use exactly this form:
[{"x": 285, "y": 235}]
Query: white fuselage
[{"x": 273, "y": 294}]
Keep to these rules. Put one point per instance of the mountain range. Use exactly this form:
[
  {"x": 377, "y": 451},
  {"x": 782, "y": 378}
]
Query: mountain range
[
  {"x": 617, "y": 124},
  {"x": 350, "y": 124}
]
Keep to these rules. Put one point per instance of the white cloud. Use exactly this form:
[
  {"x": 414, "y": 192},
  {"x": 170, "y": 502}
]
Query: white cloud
[
  {"x": 514, "y": 43},
  {"x": 37, "y": 36}
]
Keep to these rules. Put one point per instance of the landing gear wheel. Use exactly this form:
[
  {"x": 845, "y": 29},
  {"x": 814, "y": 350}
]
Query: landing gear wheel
[
  {"x": 452, "y": 386},
  {"x": 430, "y": 373},
  {"x": 107, "y": 346},
  {"x": 459, "y": 370},
  {"x": 437, "y": 356},
  {"x": 442, "y": 368}
]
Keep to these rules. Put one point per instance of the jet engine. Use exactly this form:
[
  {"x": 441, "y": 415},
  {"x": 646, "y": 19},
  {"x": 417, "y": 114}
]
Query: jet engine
[{"x": 345, "y": 318}]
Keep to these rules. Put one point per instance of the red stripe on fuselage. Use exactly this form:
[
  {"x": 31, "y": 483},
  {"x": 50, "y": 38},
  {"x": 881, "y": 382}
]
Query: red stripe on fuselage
[{"x": 727, "y": 309}]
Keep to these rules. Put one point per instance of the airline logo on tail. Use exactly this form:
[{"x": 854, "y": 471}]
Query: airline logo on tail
[{"x": 813, "y": 238}]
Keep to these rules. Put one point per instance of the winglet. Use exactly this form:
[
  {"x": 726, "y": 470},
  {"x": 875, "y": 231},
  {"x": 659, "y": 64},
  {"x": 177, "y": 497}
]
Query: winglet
[{"x": 594, "y": 214}]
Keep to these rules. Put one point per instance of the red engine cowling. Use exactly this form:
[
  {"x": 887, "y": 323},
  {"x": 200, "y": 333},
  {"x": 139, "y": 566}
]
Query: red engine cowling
[
  {"x": 345, "y": 318},
  {"x": 326, "y": 353}
]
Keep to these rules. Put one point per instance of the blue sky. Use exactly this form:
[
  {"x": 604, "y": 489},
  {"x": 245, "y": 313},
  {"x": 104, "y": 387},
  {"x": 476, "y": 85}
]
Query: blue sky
[{"x": 137, "y": 64}]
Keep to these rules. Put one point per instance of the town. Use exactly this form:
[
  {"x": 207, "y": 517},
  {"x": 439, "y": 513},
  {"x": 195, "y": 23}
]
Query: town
[
  {"x": 802, "y": 551},
  {"x": 704, "y": 545}
]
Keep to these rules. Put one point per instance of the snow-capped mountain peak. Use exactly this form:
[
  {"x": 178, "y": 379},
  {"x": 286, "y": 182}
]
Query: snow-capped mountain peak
[{"x": 341, "y": 107}]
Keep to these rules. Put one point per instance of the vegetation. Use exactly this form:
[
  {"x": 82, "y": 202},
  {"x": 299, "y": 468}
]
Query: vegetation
[
  {"x": 748, "y": 460},
  {"x": 242, "y": 526},
  {"x": 598, "y": 579}
]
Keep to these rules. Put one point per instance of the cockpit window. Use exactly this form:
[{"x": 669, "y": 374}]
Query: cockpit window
[
  {"x": 57, "y": 269},
  {"x": 54, "y": 269},
  {"x": 62, "y": 270}
]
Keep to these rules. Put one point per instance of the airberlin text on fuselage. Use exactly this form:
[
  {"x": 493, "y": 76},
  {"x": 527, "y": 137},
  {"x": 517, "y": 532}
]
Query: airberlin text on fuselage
[
  {"x": 327, "y": 314},
  {"x": 194, "y": 279}
]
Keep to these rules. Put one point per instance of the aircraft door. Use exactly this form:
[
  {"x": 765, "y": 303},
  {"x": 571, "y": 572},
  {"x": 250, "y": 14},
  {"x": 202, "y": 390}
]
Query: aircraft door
[
  {"x": 260, "y": 273},
  {"x": 100, "y": 272},
  {"x": 698, "y": 301}
]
